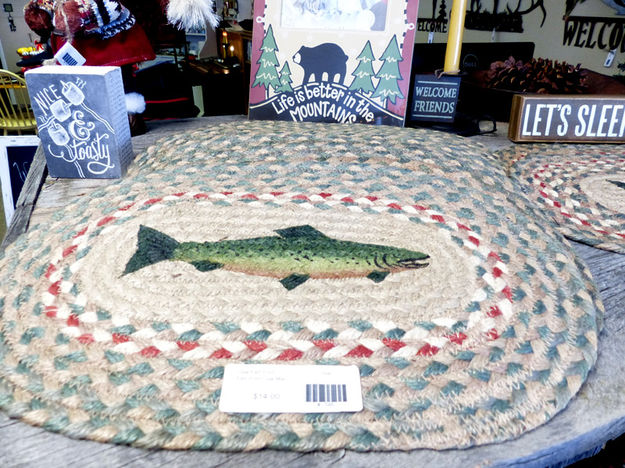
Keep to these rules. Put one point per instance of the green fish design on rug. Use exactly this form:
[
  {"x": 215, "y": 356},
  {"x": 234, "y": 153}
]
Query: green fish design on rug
[
  {"x": 618, "y": 183},
  {"x": 295, "y": 255}
]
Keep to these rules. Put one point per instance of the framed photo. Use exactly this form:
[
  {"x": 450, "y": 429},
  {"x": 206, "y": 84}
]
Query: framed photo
[
  {"x": 340, "y": 61},
  {"x": 16, "y": 155}
]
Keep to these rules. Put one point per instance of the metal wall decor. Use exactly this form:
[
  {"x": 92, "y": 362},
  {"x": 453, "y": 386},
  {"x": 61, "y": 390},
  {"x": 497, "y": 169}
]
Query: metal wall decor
[
  {"x": 438, "y": 21},
  {"x": 593, "y": 32},
  {"x": 509, "y": 20}
]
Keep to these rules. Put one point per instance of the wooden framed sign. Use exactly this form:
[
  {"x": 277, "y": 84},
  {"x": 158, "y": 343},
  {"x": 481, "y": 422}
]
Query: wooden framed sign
[
  {"x": 567, "y": 118},
  {"x": 336, "y": 61},
  {"x": 16, "y": 155}
]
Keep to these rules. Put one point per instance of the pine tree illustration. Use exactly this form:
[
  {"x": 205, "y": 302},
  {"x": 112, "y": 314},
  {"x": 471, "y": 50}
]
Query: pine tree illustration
[
  {"x": 285, "y": 79},
  {"x": 363, "y": 73},
  {"x": 389, "y": 74},
  {"x": 267, "y": 74}
]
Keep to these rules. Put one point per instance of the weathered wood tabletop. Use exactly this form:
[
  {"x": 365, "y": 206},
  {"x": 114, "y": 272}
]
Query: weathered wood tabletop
[{"x": 594, "y": 416}]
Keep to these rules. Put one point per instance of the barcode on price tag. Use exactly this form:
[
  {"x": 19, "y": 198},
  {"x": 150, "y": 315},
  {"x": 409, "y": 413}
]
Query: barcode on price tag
[
  {"x": 270, "y": 388},
  {"x": 68, "y": 55},
  {"x": 326, "y": 392}
]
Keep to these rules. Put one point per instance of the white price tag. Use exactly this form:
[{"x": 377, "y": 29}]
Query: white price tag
[
  {"x": 68, "y": 55},
  {"x": 270, "y": 388},
  {"x": 609, "y": 59}
]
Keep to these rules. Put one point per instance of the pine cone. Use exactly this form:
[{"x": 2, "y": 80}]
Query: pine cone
[{"x": 539, "y": 75}]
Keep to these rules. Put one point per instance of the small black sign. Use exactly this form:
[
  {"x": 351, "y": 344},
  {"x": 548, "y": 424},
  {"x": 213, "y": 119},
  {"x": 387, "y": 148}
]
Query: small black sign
[
  {"x": 434, "y": 99},
  {"x": 19, "y": 159},
  {"x": 16, "y": 155}
]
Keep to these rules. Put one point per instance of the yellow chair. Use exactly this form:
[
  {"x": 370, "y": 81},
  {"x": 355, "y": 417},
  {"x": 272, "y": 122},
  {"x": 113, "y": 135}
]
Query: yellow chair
[{"x": 16, "y": 114}]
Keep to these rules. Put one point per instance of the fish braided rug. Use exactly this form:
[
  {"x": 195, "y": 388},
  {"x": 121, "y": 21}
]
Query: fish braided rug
[
  {"x": 414, "y": 258},
  {"x": 580, "y": 187}
]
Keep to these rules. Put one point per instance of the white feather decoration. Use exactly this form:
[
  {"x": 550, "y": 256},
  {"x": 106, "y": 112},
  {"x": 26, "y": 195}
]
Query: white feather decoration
[{"x": 188, "y": 14}]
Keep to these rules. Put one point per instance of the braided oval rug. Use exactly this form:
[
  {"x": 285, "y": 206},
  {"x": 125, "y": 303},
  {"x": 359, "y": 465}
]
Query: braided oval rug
[
  {"x": 580, "y": 187},
  {"x": 471, "y": 322},
  {"x": 236, "y": 145}
]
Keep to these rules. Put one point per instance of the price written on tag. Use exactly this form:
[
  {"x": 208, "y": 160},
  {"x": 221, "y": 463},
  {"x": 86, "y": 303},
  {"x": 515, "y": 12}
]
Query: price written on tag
[{"x": 270, "y": 388}]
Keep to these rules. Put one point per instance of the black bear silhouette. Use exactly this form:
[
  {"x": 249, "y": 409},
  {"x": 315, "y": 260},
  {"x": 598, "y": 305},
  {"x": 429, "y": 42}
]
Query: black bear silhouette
[{"x": 325, "y": 58}]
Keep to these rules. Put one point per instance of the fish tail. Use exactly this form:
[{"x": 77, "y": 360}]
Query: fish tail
[{"x": 152, "y": 247}]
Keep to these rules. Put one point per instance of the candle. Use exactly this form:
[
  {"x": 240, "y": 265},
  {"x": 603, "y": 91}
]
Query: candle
[{"x": 454, "y": 38}]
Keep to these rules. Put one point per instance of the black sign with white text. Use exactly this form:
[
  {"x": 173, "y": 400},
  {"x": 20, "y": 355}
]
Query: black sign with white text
[
  {"x": 434, "y": 99},
  {"x": 568, "y": 118}
]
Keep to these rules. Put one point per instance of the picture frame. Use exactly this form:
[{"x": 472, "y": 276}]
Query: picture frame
[
  {"x": 16, "y": 156},
  {"x": 334, "y": 61}
]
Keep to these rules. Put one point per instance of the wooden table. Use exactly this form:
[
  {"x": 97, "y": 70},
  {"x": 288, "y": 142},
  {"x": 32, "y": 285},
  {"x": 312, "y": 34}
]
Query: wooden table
[{"x": 594, "y": 416}]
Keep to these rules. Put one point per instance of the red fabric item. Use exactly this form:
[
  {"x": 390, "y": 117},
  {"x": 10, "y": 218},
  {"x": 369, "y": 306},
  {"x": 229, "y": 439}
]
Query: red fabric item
[
  {"x": 150, "y": 14},
  {"x": 131, "y": 46},
  {"x": 38, "y": 19}
]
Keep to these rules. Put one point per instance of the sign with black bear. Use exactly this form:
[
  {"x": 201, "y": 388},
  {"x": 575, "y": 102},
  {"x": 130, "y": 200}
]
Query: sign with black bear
[{"x": 341, "y": 61}]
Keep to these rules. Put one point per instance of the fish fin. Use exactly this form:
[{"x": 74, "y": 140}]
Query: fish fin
[
  {"x": 300, "y": 231},
  {"x": 152, "y": 247},
  {"x": 378, "y": 276},
  {"x": 293, "y": 281},
  {"x": 206, "y": 265}
]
